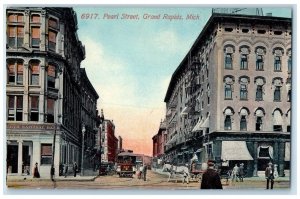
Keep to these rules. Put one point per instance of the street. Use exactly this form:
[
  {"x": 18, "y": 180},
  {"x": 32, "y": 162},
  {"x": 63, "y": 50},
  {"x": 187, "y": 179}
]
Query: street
[{"x": 154, "y": 181}]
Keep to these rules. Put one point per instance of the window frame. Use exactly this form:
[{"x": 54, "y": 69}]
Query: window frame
[
  {"x": 228, "y": 90},
  {"x": 277, "y": 94},
  {"x": 227, "y": 122},
  {"x": 228, "y": 61},
  {"x": 277, "y": 63},
  {"x": 259, "y": 62},
  {"x": 243, "y": 92},
  {"x": 244, "y": 62}
]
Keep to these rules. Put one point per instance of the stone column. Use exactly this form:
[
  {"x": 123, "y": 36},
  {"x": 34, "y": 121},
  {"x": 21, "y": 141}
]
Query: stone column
[
  {"x": 217, "y": 147},
  {"x": 26, "y": 90},
  {"x": 36, "y": 154},
  {"x": 275, "y": 153},
  {"x": 27, "y": 28},
  {"x": 44, "y": 30},
  {"x": 281, "y": 153},
  {"x": 42, "y": 93},
  {"x": 255, "y": 155},
  {"x": 20, "y": 156}
]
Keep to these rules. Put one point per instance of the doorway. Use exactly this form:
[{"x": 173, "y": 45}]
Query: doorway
[{"x": 12, "y": 158}]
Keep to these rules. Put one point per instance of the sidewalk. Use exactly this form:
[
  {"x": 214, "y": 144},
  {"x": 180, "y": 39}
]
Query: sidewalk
[
  {"x": 258, "y": 178},
  {"x": 11, "y": 178}
]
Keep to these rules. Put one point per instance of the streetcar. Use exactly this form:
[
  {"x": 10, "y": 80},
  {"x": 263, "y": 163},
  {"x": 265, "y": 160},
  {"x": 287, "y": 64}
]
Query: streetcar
[{"x": 126, "y": 164}]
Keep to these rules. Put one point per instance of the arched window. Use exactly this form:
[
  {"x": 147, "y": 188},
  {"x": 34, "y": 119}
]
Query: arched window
[
  {"x": 244, "y": 81},
  {"x": 259, "y": 81},
  {"x": 277, "y": 84},
  {"x": 260, "y": 52},
  {"x": 15, "y": 30},
  {"x": 228, "y": 80},
  {"x": 277, "y": 120},
  {"x": 259, "y": 114},
  {"x": 228, "y": 56},
  {"x": 15, "y": 72},
  {"x": 227, "y": 122},
  {"x": 278, "y": 52},
  {"x": 244, "y": 50},
  {"x": 52, "y": 33},
  {"x": 243, "y": 121}
]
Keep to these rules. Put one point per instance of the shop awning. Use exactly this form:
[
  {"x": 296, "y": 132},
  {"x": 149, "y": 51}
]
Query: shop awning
[
  {"x": 197, "y": 127},
  {"x": 235, "y": 150},
  {"x": 172, "y": 140},
  {"x": 185, "y": 111},
  {"x": 205, "y": 124},
  {"x": 287, "y": 154}
]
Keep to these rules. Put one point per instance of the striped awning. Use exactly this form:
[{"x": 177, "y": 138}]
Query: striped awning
[{"x": 235, "y": 150}]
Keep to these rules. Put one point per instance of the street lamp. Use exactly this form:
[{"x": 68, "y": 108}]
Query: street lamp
[{"x": 82, "y": 148}]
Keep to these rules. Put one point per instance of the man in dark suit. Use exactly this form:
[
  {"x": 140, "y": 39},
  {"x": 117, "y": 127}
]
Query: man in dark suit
[
  {"x": 269, "y": 173},
  {"x": 211, "y": 178}
]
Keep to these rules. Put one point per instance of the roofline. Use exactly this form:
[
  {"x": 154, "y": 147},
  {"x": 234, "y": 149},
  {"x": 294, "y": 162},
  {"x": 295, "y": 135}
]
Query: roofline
[
  {"x": 82, "y": 71},
  {"x": 213, "y": 18}
]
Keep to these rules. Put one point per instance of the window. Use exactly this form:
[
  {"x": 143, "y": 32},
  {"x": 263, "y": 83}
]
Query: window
[
  {"x": 258, "y": 125},
  {"x": 243, "y": 92},
  {"x": 277, "y": 63},
  {"x": 289, "y": 64},
  {"x": 35, "y": 70},
  {"x": 52, "y": 40},
  {"x": 34, "y": 108},
  {"x": 15, "y": 72},
  {"x": 50, "y": 110},
  {"x": 15, "y": 108},
  {"x": 35, "y": 18},
  {"x": 277, "y": 120},
  {"x": 51, "y": 74},
  {"x": 259, "y": 93},
  {"x": 277, "y": 94},
  {"x": 208, "y": 100},
  {"x": 227, "y": 123},
  {"x": 228, "y": 61},
  {"x": 289, "y": 96},
  {"x": 15, "y": 30},
  {"x": 46, "y": 153},
  {"x": 53, "y": 23},
  {"x": 244, "y": 62},
  {"x": 243, "y": 123},
  {"x": 228, "y": 91},
  {"x": 35, "y": 36},
  {"x": 259, "y": 62}
]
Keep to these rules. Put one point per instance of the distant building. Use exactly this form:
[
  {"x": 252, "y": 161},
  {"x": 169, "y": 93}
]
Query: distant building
[
  {"x": 159, "y": 141},
  {"x": 109, "y": 142},
  {"x": 120, "y": 144},
  {"x": 229, "y": 99}
]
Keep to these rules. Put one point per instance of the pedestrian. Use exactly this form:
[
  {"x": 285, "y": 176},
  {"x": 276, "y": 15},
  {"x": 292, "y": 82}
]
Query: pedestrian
[
  {"x": 75, "y": 168},
  {"x": 269, "y": 173},
  {"x": 144, "y": 171},
  {"x": 241, "y": 172},
  {"x": 66, "y": 170},
  {"x": 211, "y": 178},
  {"x": 36, "y": 173},
  {"x": 235, "y": 172}
]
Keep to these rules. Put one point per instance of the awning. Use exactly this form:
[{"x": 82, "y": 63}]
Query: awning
[
  {"x": 185, "y": 111},
  {"x": 235, "y": 150},
  {"x": 287, "y": 154},
  {"x": 197, "y": 126},
  {"x": 205, "y": 124},
  {"x": 172, "y": 140}
]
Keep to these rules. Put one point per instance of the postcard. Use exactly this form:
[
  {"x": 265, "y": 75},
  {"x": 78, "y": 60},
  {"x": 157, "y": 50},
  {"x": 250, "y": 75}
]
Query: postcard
[{"x": 148, "y": 98}]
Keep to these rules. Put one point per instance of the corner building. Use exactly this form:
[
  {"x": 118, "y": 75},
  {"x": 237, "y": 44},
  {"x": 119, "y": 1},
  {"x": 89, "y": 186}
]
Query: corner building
[
  {"x": 43, "y": 56},
  {"x": 229, "y": 99}
]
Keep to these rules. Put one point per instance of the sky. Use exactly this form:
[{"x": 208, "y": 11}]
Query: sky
[{"x": 130, "y": 62}]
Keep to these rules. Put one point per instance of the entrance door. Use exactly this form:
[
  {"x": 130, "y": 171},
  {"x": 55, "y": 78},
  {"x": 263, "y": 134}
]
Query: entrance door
[
  {"x": 12, "y": 158},
  {"x": 262, "y": 164},
  {"x": 26, "y": 160}
]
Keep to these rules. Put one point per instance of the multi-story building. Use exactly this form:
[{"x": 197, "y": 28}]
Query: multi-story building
[
  {"x": 109, "y": 142},
  {"x": 120, "y": 144},
  {"x": 89, "y": 118},
  {"x": 229, "y": 99},
  {"x": 158, "y": 141},
  {"x": 43, "y": 56}
]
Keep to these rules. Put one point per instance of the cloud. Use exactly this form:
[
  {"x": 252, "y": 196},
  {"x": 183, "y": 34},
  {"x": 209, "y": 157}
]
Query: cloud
[{"x": 168, "y": 41}]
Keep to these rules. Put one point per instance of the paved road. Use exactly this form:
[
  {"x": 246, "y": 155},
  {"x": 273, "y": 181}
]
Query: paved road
[{"x": 154, "y": 181}]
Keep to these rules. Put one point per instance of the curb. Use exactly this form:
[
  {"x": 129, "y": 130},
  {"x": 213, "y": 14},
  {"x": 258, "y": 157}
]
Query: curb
[{"x": 46, "y": 179}]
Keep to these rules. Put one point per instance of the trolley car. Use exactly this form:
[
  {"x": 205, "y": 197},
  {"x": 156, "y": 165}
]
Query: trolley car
[{"x": 126, "y": 164}]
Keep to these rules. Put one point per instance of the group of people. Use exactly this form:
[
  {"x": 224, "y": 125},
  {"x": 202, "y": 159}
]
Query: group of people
[
  {"x": 212, "y": 180},
  {"x": 238, "y": 172}
]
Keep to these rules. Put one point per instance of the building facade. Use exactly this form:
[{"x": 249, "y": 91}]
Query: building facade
[
  {"x": 158, "y": 141},
  {"x": 109, "y": 142},
  {"x": 44, "y": 96},
  {"x": 229, "y": 99}
]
